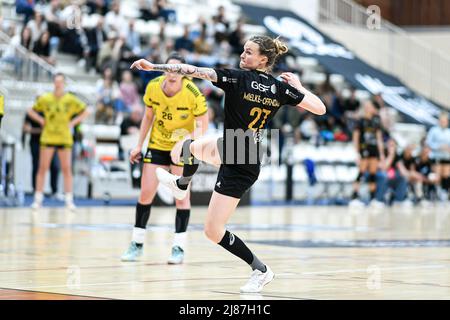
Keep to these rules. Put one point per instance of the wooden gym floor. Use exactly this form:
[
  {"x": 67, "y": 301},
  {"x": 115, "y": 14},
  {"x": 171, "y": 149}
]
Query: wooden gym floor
[{"x": 315, "y": 252}]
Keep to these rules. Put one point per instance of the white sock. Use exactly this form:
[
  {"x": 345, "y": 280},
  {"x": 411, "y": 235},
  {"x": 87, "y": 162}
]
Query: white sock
[
  {"x": 180, "y": 239},
  {"x": 38, "y": 197},
  {"x": 69, "y": 197},
  {"x": 138, "y": 235}
]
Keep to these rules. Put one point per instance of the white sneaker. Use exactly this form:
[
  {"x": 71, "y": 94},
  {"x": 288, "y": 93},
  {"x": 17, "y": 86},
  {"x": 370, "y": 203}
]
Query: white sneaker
[
  {"x": 170, "y": 181},
  {"x": 377, "y": 204},
  {"x": 36, "y": 205},
  {"x": 356, "y": 203},
  {"x": 70, "y": 206},
  {"x": 257, "y": 281}
]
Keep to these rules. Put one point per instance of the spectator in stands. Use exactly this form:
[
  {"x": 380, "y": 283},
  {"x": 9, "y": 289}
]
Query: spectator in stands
[
  {"x": 307, "y": 130},
  {"x": 10, "y": 55},
  {"x": 132, "y": 123},
  {"x": 148, "y": 11},
  {"x": 38, "y": 25},
  {"x": 108, "y": 101},
  {"x": 392, "y": 177},
  {"x": 95, "y": 37},
  {"x": 97, "y": 7},
  {"x": 236, "y": 38},
  {"x": 129, "y": 92},
  {"x": 55, "y": 24},
  {"x": 25, "y": 7},
  {"x": 74, "y": 40},
  {"x": 167, "y": 14},
  {"x": 438, "y": 139},
  {"x": 221, "y": 18},
  {"x": 34, "y": 129},
  {"x": 427, "y": 181},
  {"x": 201, "y": 44},
  {"x": 115, "y": 21},
  {"x": 107, "y": 55},
  {"x": 42, "y": 48},
  {"x": 184, "y": 44},
  {"x": 133, "y": 39},
  {"x": 412, "y": 176}
]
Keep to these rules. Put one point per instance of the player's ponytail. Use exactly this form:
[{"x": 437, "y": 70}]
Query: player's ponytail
[
  {"x": 271, "y": 48},
  {"x": 281, "y": 47}
]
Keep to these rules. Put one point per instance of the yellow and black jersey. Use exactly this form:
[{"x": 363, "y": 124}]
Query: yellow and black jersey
[
  {"x": 58, "y": 114},
  {"x": 174, "y": 117},
  {"x": 2, "y": 105}
]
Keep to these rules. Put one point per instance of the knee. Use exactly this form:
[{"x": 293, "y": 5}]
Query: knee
[
  {"x": 66, "y": 169},
  {"x": 183, "y": 204},
  {"x": 213, "y": 233},
  {"x": 196, "y": 149},
  {"x": 145, "y": 197}
]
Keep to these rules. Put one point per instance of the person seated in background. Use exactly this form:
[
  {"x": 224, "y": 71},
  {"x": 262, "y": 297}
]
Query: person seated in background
[
  {"x": 427, "y": 180},
  {"x": 184, "y": 43},
  {"x": 129, "y": 92},
  {"x": 392, "y": 178},
  {"x": 132, "y": 123},
  {"x": 129, "y": 126},
  {"x": 42, "y": 48},
  {"x": 95, "y": 38},
  {"x": 107, "y": 99},
  {"x": 409, "y": 162}
]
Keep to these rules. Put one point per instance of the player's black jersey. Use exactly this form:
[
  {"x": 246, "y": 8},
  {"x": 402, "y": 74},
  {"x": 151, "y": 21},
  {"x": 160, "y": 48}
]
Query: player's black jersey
[
  {"x": 368, "y": 131},
  {"x": 424, "y": 167},
  {"x": 252, "y": 98}
]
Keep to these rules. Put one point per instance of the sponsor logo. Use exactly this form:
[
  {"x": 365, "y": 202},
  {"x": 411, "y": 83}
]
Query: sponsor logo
[
  {"x": 229, "y": 80},
  {"x": 259, "y": 86},
  {"x": 291, "y": 94},
  {"x": 219, "y": 184},
  {"x": 231, "y": 239}
]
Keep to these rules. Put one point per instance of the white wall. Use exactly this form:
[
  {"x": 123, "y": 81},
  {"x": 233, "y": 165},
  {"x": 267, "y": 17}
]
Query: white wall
[{"x": 395, "y": 55}]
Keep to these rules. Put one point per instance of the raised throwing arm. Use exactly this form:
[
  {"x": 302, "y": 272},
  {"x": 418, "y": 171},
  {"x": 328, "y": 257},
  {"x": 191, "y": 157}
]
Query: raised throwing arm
[
  {"x": 310, "y": 102},
  {"x": 183, "y": 69}
]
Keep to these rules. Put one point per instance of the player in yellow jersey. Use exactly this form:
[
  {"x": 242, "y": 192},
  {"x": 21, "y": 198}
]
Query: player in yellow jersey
[
  {"x": 176, "y": 112},
  {"x": 2, "y": 108},
  {"x": 62, "y": 112}
]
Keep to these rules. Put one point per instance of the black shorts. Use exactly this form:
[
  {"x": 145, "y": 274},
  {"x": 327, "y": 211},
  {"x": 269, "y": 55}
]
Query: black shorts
[
  {"x": 235, "y": 180},
  {"x": 56, "y": 146},
  {"x": 159, "y": 157},
  {"x": 440, "y": 161},
  {"x": 369, "y": 152}
]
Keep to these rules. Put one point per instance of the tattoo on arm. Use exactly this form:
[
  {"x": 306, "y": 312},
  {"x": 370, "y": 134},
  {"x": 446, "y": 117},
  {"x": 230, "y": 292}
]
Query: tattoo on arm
[{"x": 188, "y": 70}]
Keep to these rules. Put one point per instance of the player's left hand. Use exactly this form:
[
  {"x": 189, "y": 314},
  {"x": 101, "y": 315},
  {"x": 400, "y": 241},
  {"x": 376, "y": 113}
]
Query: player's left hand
[
  {"x": 142, "y": 64},
  {"x": 291, "y": 79}
]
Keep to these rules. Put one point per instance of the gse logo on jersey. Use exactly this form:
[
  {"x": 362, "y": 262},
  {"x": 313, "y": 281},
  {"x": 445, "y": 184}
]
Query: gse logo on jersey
[{"x": 259, "y": 86}]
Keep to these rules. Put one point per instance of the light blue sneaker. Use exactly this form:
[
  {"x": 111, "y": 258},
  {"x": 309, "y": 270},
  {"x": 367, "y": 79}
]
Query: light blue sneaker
[
  {"x": 132, "y": 253},
  {"x": 177, "y": 256}
]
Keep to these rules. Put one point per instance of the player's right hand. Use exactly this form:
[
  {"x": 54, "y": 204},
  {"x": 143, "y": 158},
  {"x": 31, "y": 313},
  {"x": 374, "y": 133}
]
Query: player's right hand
[
  {"x": 135, "y": 155},
  {"x": 142, "y": 64}
]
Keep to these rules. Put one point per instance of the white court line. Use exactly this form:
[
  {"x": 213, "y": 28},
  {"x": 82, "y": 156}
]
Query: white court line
[
  {"x": 81, "y": 286},
  {"x": 380, "y": 269}
]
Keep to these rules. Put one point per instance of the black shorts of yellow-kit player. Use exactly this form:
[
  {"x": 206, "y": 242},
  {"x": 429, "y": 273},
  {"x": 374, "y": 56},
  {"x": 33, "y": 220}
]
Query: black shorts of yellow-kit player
[{"x": 160, "y": 157}]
